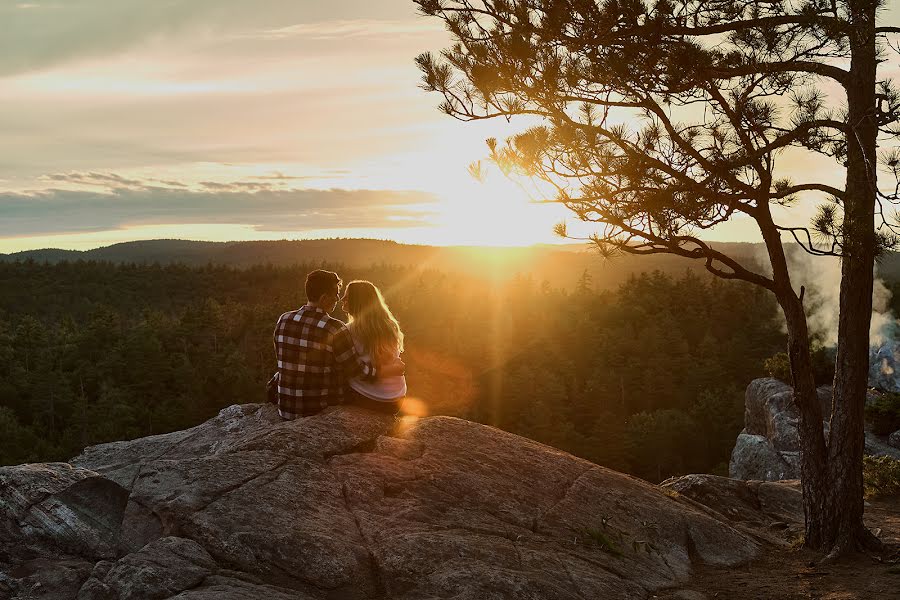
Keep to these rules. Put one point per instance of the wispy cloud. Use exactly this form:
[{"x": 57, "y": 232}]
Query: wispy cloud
[
  {"x": 237, "y": 186},
  {"x": 93, "y": 178},
  {"x": 279, "y": 176},
  {"x": 173, "y": 85},
  {"x": 329, "y": 30},
  {"x": 112, "y": 182},
  {"x": 38, "y": 35}
]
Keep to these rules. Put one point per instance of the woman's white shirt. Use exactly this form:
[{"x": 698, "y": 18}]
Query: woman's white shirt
[{"x": 383, "y": 388}]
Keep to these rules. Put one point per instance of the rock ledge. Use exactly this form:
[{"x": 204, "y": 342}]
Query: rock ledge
[{"x": 352, "y": 505}]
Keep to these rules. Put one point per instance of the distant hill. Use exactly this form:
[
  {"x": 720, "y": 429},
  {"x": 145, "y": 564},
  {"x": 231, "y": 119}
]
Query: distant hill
[
  {"x": 240, "y": 254},
  {"x": 51, "y": 255},
  {"x": 560, "y": 265}
]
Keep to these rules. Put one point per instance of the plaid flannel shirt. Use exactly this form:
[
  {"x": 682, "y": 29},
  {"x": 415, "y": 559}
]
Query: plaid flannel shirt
[{"x": 316, "y": 356}]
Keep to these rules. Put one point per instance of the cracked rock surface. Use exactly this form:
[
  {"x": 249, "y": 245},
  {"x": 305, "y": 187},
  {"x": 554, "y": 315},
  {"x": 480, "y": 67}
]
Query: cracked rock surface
[{"x": 349, "y": 504}]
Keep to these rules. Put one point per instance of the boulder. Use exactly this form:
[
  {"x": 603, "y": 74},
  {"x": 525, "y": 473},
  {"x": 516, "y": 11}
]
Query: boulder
[
  {"x": 769, "y": 446},
  {"x": 769, "y": 411},
  {"x": 59, "y": 508},
  {"x": 880, "y": 446},
  {"x": 351, "y": 504},
  {"x": 47, "y": 579},
  {"x": 760, "y": 503},
  {"x": 884, "y": 362},
  {"x": 755, "y": 457},
  {"x": 770, "y": 510},
  {"x": 161, "y": 569},
  {"x": 756, "y": 403}
]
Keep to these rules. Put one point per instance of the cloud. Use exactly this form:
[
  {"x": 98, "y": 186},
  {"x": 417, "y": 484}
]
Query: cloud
[
  {"x": 214, "y": 98},
  {"x": 55, "y": 211},
  {"x": 93, "y": 178},
  {"x": 111, "y": 182},
  {"x": 235, "y": 186},
  {"x": 356, "y": 28},
  {"x": 279, "y": 176},
  {"x": 40, "y": 34}
]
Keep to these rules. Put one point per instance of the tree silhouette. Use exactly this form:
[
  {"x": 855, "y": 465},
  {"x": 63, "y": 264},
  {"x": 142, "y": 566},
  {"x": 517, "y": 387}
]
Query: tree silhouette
[{"x": 662, "y": 119}]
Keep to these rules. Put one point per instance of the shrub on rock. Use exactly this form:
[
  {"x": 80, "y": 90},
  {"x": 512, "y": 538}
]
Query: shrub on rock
[
  {"x": 881, "y": 476},
  {"x": 884, "y": 414}
]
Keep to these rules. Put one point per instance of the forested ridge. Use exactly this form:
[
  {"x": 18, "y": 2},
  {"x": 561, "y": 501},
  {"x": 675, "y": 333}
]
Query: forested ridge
[
  {"x": 561, "y": 265},
  {"x": 647, "y": 378}
]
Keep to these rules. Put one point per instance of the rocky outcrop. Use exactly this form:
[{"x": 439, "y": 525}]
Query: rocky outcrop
[
  {"x": 768, "y": 448},
  {"x": 771, "y": 510},
  {"x": 884, "y": 362},
  {"x": 352, "y": 505},
  {"x": 58, "y": 507},
  {"x": 755, "y": 457}
]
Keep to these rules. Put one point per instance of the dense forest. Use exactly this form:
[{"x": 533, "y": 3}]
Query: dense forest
[{"x": 646, "y": 378}]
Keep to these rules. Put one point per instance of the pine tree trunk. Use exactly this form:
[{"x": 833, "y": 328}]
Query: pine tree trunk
[
  {"x": 813, "y": 452},
  {"x": 837, "y": 525}
]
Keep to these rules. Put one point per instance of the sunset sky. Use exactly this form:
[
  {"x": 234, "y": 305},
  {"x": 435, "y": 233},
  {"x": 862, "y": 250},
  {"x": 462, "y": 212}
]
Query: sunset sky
[{"x": 230, "y": 119}]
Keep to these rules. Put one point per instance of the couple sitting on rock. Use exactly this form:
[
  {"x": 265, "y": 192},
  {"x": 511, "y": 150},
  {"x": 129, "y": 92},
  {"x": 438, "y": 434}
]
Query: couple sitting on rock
[{"x": 322, "y": 361}]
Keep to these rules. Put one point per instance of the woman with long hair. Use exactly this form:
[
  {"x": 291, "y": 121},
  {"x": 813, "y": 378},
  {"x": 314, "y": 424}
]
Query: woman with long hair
[{"x": 379, "y": 340}]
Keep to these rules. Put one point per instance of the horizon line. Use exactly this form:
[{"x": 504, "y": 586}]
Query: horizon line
[{"x": 562, "y": 244}]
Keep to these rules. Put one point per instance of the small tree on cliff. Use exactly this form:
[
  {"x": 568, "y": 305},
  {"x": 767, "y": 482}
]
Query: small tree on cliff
[{"x": 663, "y": 118}]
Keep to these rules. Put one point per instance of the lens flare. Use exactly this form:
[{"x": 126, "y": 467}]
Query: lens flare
[{"x": 413, "y": 407}]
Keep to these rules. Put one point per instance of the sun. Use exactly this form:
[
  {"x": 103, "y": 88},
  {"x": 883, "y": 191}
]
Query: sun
[{"x": 494, "y": 211}]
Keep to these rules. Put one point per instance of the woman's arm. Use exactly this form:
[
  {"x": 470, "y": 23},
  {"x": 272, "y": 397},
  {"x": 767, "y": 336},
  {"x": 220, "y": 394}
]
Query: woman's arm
[{"x": 393, "y": 368}]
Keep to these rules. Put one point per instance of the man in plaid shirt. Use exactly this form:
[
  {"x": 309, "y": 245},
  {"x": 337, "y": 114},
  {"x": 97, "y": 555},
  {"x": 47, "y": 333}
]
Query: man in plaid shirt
[{"x": 315, "y": 352}]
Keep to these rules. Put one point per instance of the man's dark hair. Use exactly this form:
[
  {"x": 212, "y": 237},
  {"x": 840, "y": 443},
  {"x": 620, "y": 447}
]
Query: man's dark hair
[{"x": 320, "y": 282}]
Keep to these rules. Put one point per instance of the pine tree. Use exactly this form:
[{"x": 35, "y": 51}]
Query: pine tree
[{"x": 664, "y": 118}]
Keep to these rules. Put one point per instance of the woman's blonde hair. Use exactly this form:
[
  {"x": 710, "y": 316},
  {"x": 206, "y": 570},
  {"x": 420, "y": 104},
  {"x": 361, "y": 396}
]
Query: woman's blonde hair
[{"x": 372, "y": 322}]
